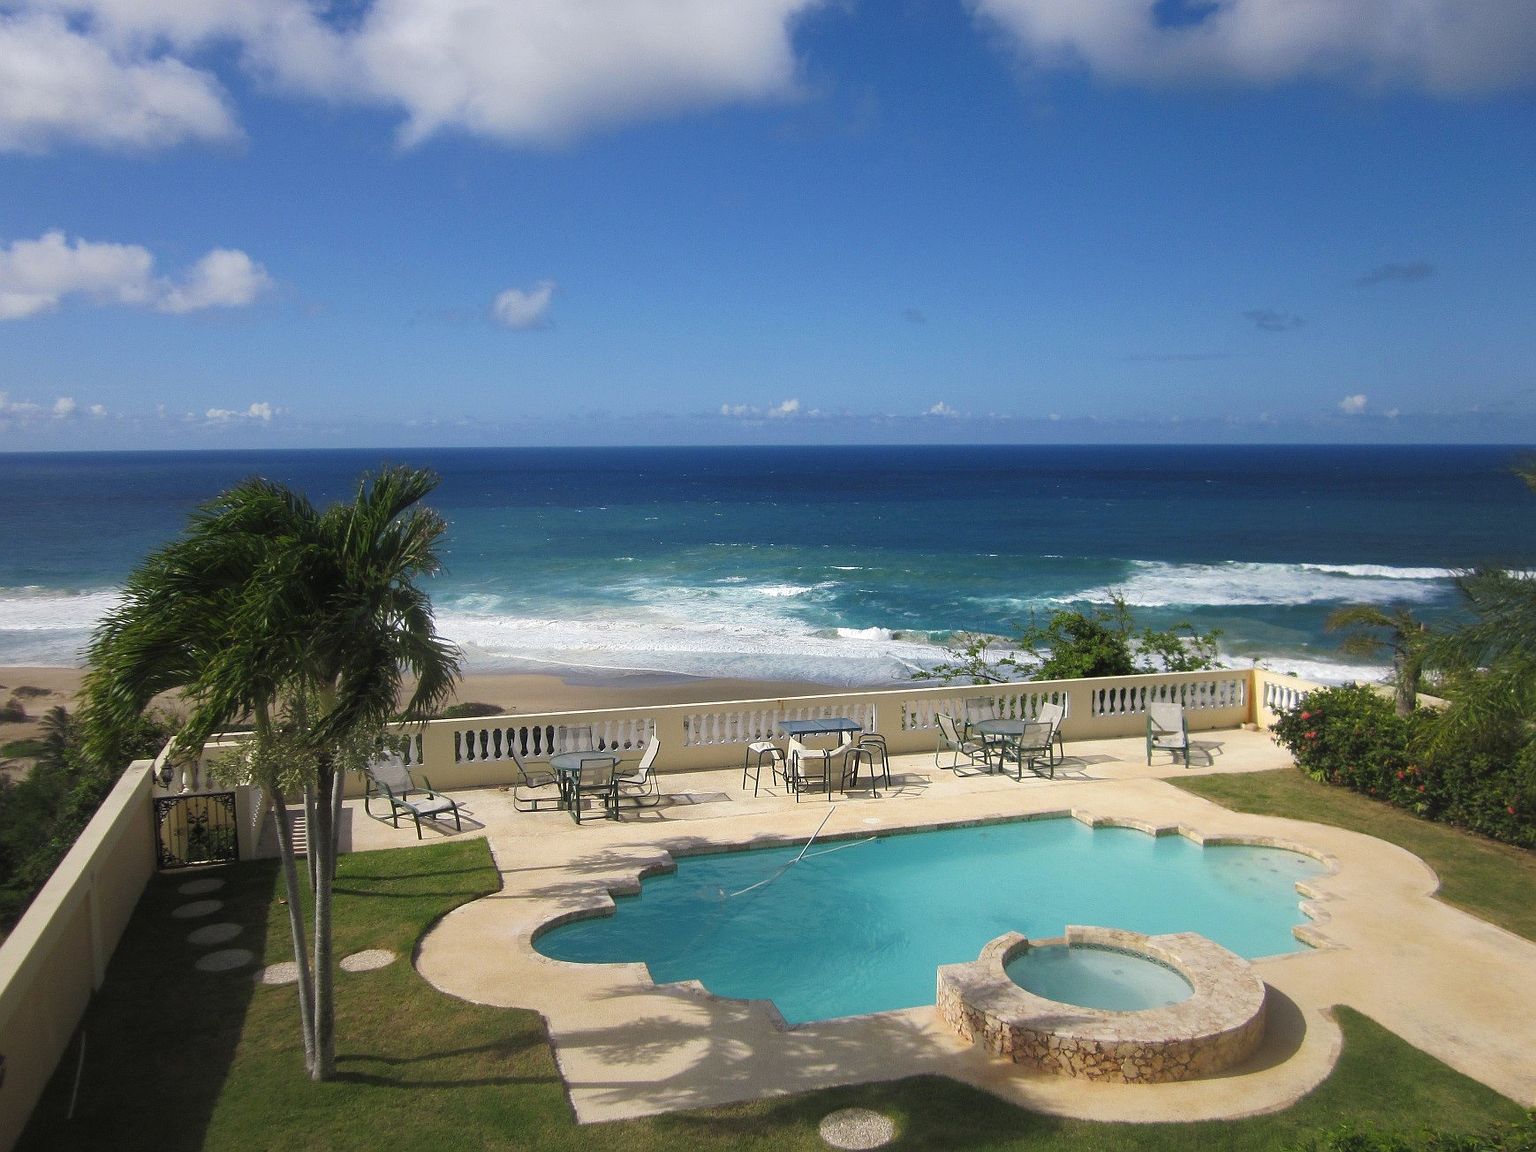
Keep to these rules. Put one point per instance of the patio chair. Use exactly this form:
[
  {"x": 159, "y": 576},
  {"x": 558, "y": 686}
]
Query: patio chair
[
  {"x": 596, "y": 779},
  {"x": 977, "y": 709},
  {"x": 1032, "y": 746},
  {"x": 533, "y": 787},
  {"x": 807, "y": 766},
  {"x": 958, "y": 746},
  {"x": 1054, "y": 714},
  {"x": 388, "y": 776},
  {"x": 640, "y": 786},
  {"x": 576, "y": 738},
  {"x": 1167, "y": 731}
]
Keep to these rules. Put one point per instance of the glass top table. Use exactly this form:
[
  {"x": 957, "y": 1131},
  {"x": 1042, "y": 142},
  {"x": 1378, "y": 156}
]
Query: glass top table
[{"x": 830, "y": 726}]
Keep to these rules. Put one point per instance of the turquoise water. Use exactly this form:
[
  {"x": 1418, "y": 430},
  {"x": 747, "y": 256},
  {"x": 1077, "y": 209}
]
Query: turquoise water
[
  {"x": 1097, "y": 978},
  {"x": 861, "y": 926}
]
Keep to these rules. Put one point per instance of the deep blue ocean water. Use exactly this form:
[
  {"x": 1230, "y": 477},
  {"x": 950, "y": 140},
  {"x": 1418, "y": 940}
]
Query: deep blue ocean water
[{"x": 844, "y": 565}]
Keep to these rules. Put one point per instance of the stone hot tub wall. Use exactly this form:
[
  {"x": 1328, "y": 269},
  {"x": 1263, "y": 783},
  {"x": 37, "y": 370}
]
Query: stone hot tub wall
[{"x": 1218, "y": 1026}]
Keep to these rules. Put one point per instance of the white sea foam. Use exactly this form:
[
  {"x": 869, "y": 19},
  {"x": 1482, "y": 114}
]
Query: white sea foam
[{"x": 1153, "y": 584}]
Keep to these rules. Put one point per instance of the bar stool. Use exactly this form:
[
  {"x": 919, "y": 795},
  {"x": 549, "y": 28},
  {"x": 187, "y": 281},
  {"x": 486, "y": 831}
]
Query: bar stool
[
  {"x": 862, "y": 753},
  {"x": 752, "y": 762},
  {"x": 876, "y": 743}
]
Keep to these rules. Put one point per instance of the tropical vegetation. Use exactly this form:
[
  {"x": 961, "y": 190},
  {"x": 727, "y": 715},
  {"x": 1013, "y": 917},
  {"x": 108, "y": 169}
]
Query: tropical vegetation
[
  {"x": 1070, "y": 644},
  {"x": 305, "y": 624}
]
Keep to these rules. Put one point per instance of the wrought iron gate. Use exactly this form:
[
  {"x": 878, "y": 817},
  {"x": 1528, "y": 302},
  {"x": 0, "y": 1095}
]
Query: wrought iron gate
[{"x": 196, "y": 829}]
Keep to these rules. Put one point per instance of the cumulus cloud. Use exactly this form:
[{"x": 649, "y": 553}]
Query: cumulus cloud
[
  {"x": 1272, "y": 321},
  {"x": 58, "y": 83},
  {"x": 534, "y": 71},
  {"x": 28, "y": 411},
  {"x": 753, "y": 412},
  {"x": 36, "y": 276},
  {"x": 1443, "y": 46},
  {"x": 520, "y": 310},
  {"x": 97, "y": 410},
  {"x": 940, "y": 409},
  {"x": 1353, "y": 405},
  {"x": 260, "y": 412},
  {"x": 1396, "y": 274},
  {"x": 64, "y": 407},
  {"x": 225, "y": 278}
]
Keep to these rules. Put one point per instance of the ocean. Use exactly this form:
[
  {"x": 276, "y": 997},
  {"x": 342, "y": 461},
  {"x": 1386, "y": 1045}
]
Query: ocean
[{"x": 850, "y": 565}]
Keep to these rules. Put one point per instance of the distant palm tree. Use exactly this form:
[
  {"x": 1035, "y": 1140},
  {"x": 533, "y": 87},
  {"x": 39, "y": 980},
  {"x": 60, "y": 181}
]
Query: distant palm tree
[
  {"x": 1369, "y": 630},
  {"x": 307, "y": 624}
]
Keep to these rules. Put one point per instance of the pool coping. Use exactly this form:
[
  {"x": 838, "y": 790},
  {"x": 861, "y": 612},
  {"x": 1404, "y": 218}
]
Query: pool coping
[{"x": 628, "y": 1047}]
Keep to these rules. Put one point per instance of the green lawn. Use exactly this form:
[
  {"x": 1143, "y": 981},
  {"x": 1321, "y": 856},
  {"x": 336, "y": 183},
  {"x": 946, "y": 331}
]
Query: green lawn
[
  {"x": 1494, "y": 881},
  {"x": 179, "y": 1059}
]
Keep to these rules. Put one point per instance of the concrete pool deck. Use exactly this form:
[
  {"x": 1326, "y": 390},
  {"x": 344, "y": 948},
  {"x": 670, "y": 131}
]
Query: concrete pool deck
[{"x": 1443, "y": 980}]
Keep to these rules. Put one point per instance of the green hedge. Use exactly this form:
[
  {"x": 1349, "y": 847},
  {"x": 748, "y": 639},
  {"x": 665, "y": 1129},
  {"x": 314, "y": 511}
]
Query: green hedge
[{"x": 1352, "y": 736}]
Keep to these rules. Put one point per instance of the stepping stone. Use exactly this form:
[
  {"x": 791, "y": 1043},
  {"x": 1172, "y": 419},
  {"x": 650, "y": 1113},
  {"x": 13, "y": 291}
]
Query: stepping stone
[
  {"x": 214, "y": 934},
  {"x": 200, "y": 887},
  {"x": 857, "y": 1128},
  {"x": 197, "y": 908},
  {"x": 226, "y": 959},
  {"x": 283, "y": 972},
  {"x": 367, "y": 961}
]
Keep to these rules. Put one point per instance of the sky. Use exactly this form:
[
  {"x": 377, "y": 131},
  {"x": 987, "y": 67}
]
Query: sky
[{"x": 395, "y": 223}]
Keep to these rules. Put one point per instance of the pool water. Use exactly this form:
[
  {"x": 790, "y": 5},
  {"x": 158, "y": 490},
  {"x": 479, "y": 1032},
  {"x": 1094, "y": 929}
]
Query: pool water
[
  {"x": 1097, "y": 978},
  {"x": 861, "y": 926}
]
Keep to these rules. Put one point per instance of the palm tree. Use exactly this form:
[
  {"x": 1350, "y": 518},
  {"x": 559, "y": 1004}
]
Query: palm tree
[
  {"x": 307, "y": 623},
  {"x": 1369, "y": 629}
]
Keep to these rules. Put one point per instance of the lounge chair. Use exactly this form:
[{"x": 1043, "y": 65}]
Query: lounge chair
[
  {"x": 1167, "y": 731},
  {"x": 640, "y": 786},
  {"x": 534, "y": 787},
  {"x": 958, "y": 746},
  {"x": 388, "y": 776}
]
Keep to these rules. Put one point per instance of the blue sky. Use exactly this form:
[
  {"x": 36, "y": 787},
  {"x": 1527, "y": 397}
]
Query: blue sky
[{"x": 428, "y": 222}]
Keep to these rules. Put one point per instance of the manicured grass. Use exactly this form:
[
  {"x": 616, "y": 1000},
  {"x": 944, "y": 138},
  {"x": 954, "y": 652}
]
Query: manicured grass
[
  {"x": 178, "y": 1059},
  {"x": 1494, "y": 881}
]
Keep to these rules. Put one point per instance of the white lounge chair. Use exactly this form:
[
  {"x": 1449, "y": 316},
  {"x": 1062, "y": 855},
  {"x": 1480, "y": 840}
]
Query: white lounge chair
[
  {"x": 1167, "y": 731},
  {"x": 388, "y": 776}
]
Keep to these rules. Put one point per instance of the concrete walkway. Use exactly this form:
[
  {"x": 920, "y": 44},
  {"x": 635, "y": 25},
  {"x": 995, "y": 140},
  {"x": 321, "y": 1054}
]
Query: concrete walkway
[{"x": 1445, "y": 981}]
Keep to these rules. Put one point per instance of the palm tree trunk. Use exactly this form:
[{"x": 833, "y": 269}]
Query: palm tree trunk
[
  {"x": 337, "y": 792},
  {"x": 1406, "y": 673},
  {"x": 322, "y": 849},
  {"x": 309, "y": 822},
  {"x": 295, "y": 917}
]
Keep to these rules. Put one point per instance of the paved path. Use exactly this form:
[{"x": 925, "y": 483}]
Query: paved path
[{"x": 1441, "y": 979}]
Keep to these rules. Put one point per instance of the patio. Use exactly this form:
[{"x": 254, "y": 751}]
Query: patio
[{"x": 629, "y": 1048}]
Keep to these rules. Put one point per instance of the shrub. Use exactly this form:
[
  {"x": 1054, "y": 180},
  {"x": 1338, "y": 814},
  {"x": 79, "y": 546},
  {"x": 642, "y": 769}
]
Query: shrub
[
  {"x": 1349, "y": 736},
  {"x": 470, "y": 709}
]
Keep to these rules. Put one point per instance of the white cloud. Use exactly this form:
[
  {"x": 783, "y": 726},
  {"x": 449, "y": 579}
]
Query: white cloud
[
  {"x": 128, "y": 71},
  {"x": 97, "y": 410},
  {"x": 225, "y": 278},
  {"x": 787, "y": 408},
  {"x": 940, "y": 409},
  {"x": 260, "y": 412},
  {"x": 64, "y": 407},
  {"x": 520, "y": 310},
  {"x": 36, "y": 275},
  {"x": 57, "y": 83},
  {"x": 1353, "y": 405},
  {"x": 1445, "y": 46}
]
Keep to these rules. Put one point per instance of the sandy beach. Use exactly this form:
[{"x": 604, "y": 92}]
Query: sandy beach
[{"x": 39, "y": 689}]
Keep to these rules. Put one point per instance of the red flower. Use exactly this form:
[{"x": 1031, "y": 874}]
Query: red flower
[
  {"x": 1306, "y": 715},
  {"x": 1311, "y": 735},
  {"x": 1399, "y": 774},
  {"x": 1510, "y": 808},
  {"x": 1421, "y": 787}
]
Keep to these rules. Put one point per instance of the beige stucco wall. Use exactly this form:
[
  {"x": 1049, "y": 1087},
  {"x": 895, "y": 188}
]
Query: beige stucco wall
[{"x": 58, "y": 954}]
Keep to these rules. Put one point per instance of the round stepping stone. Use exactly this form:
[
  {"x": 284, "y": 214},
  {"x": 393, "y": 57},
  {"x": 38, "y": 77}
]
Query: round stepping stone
[
  {"x": 199, "y": 887},
  {"x": 857, "y": 1128},
  {"x": 214, "y": 934},
  {"x": 367, "y": 961},
  {"x": 283, "y": 972},
  {"x": 197, "y": 908},
  {"x": 225, "y": 959}
]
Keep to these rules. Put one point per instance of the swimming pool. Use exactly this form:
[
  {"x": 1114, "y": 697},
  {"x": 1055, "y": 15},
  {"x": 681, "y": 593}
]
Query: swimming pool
[{"x": 862, "y": 926}]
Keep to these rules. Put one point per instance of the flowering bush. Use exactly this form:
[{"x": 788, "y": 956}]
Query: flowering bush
[
  {"x": 1352, "y": 736},
  {"x": 1349, "y": 736}
]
